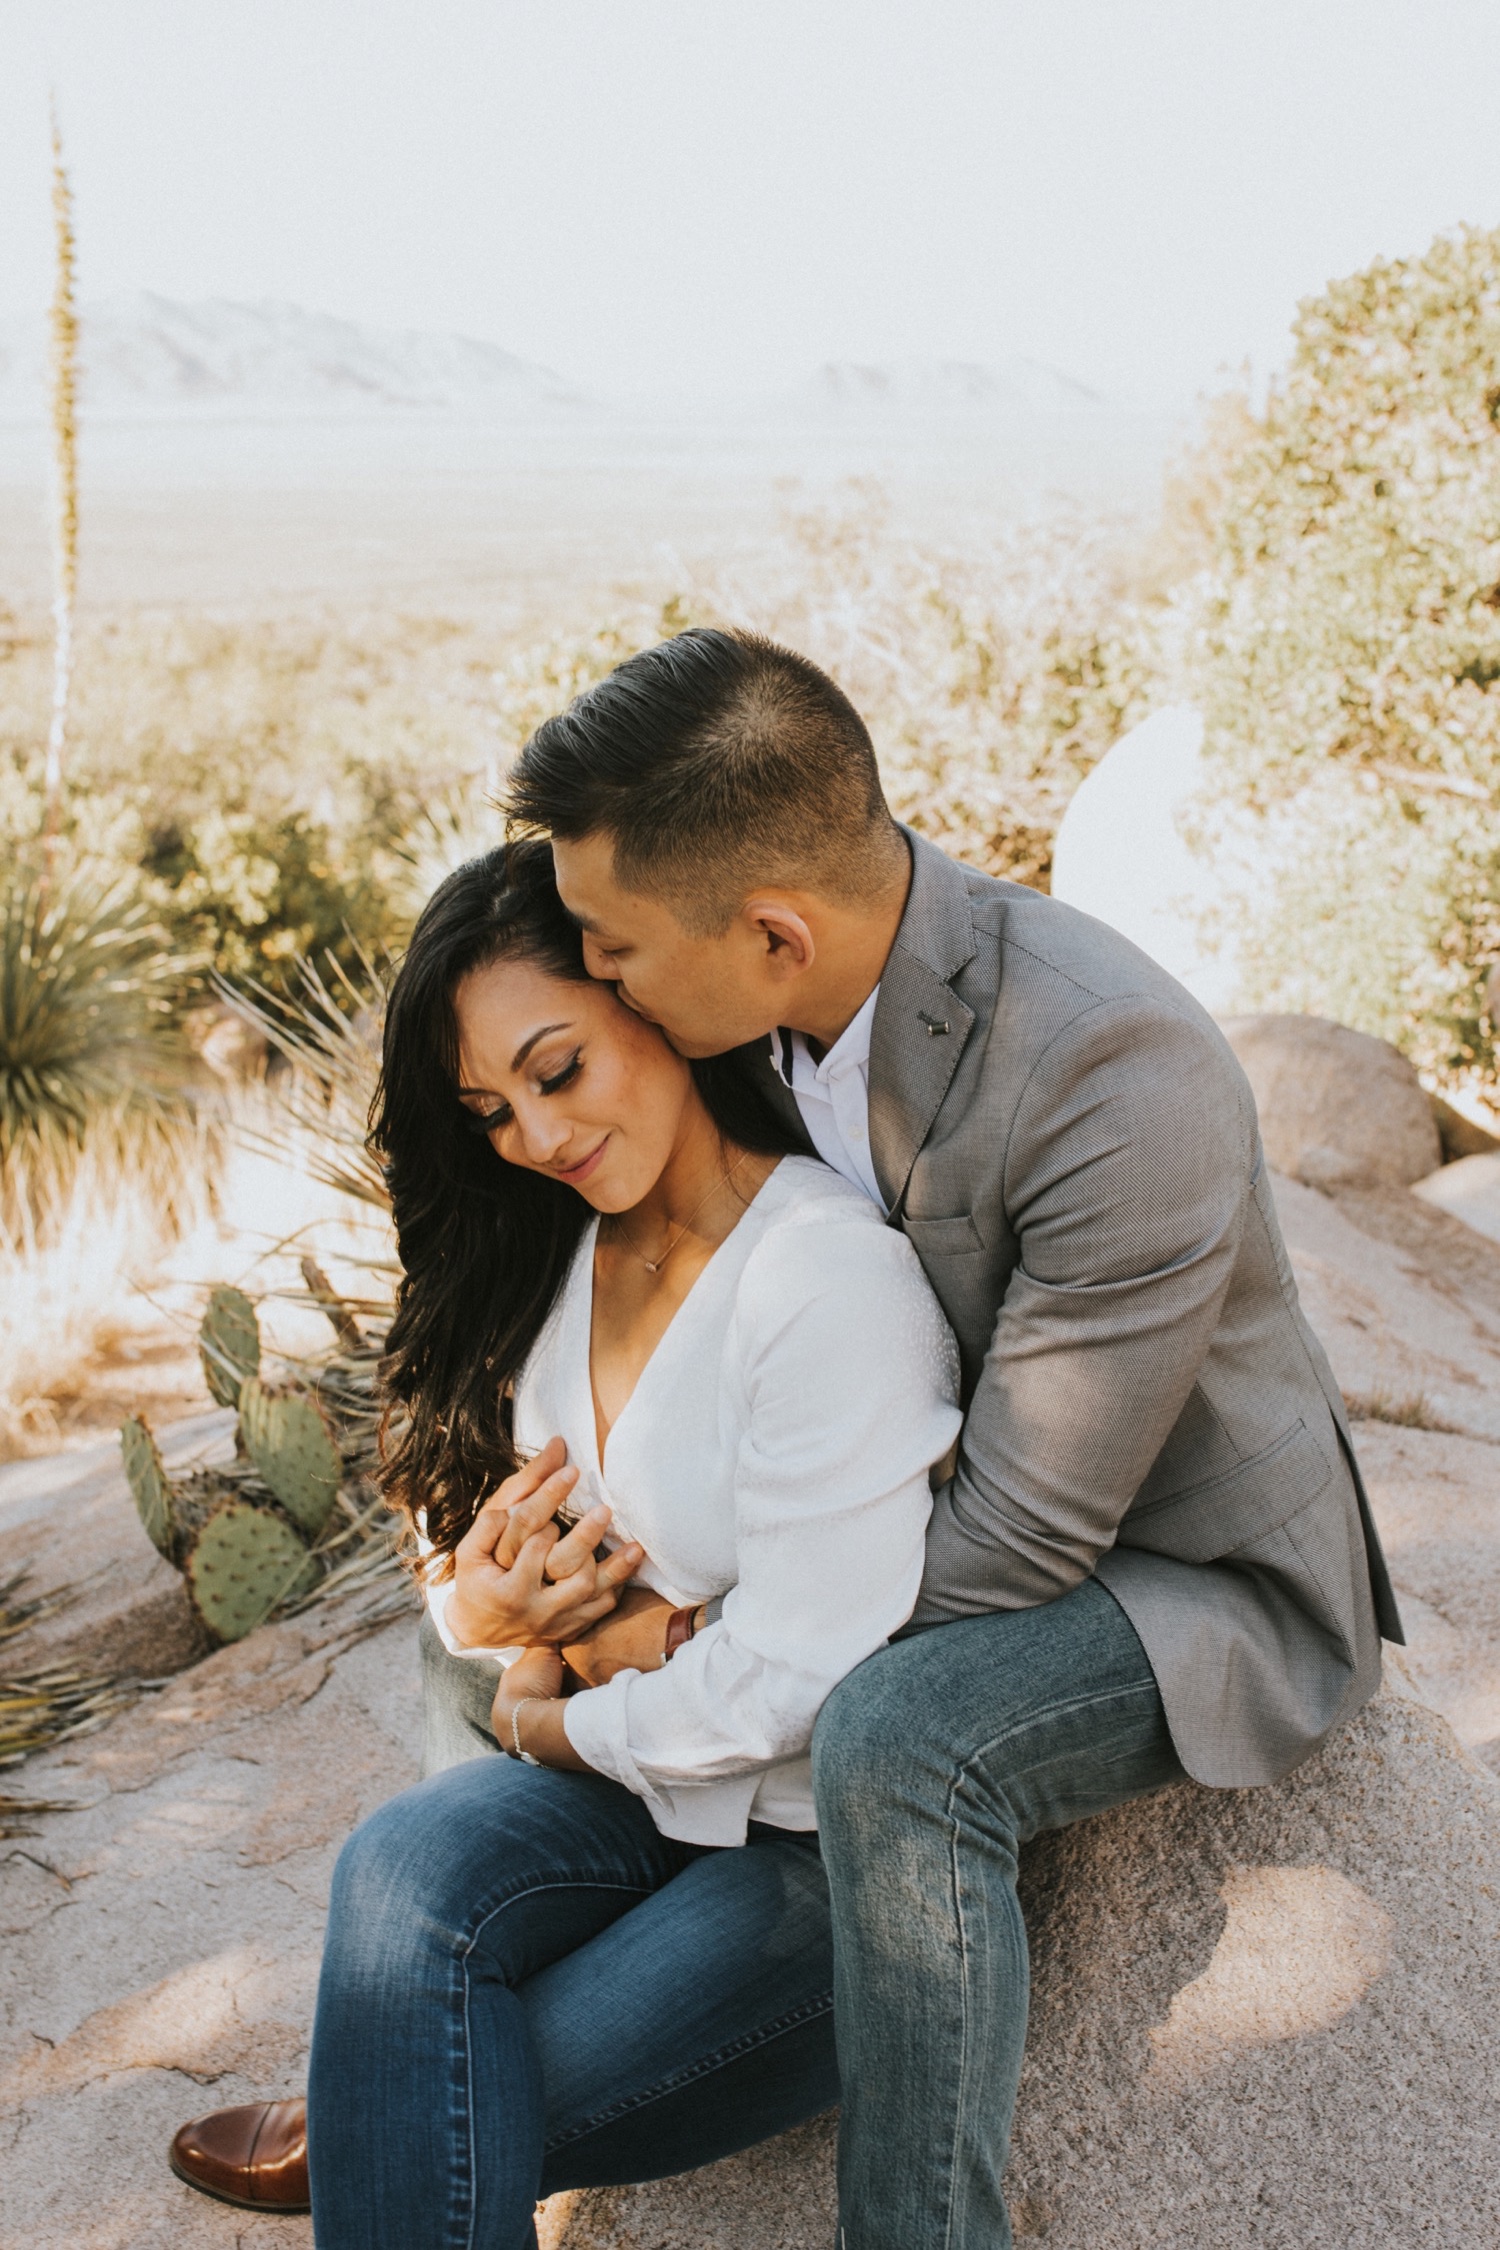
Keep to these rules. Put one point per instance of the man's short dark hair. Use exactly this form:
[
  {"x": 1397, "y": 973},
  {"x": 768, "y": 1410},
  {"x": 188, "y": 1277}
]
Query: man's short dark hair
[{"x": 714, "y": 762}]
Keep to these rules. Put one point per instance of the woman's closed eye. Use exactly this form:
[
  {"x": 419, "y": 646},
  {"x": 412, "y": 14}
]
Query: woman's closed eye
[{"x": 492, "y": 1120}]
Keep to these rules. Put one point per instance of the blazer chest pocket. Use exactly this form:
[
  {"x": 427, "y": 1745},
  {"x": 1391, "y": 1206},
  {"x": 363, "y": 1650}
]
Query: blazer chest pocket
[
  {"x": 1231, "y": 1511},
  {"x": 942, "y": 1238}
]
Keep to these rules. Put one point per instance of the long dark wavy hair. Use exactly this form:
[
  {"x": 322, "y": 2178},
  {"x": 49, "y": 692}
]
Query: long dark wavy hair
[{"x": 484, "y": 1245}]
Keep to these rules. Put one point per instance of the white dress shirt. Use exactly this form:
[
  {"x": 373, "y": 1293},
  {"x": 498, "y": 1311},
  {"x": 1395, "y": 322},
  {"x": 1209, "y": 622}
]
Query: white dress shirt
[
  {"x": 834, "y": 1097},
  {"x": 775, "y": 1451}
]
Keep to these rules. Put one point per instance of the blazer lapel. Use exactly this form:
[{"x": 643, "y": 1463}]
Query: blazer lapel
[{"x": 921, "y": 1025}]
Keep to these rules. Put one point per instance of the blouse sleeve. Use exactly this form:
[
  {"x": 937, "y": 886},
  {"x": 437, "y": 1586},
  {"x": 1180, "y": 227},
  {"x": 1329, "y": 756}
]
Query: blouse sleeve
[{"x": 849, "y": 1384}]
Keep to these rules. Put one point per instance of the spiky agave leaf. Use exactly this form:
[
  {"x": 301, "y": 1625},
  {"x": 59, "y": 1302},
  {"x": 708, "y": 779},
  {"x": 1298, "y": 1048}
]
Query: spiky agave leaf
[
  {"x": 88, "y": 986},
  {"x": 243, "y": 1562},
  {"x": 329, "y": 1030},
  {"x": 229, "y": 1344}
]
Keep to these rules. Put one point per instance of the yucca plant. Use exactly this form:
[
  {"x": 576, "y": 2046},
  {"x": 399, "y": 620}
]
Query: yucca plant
[
  {"x": 328, "y": 1032},
  {"x": 63, "y": 416},
  {"x": 88, "y": 1038}
]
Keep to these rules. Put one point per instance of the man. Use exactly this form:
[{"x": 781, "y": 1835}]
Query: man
[{"x": 1154, "y": 1555}]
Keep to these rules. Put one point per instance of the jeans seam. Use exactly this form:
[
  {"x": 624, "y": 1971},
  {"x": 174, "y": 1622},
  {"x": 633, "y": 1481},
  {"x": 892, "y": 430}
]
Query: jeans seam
[
  {"x": 746, "y": 2043},
  {"x": 575, "y": 1881},
  {"x": 465, "y": 2062},
  {"x": 961, "y": 1778}
]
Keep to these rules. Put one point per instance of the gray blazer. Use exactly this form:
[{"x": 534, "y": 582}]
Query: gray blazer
[{"x": 1072, "y": 1149}]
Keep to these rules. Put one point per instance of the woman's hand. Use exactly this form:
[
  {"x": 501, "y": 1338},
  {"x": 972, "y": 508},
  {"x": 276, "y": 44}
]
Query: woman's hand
[
  {"x": 520, "y": 1582},
  {"x": 528, "y": 1708}
]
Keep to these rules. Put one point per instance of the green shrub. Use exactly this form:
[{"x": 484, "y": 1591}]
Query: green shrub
[{"x": 1346, "y": 653}]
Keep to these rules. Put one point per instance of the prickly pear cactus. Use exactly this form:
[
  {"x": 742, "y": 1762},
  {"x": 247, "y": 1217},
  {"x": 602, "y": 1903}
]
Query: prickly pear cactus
[
  {"x": 229, "y": 1344},
  {"x": 243, "y": 1562},
  {"x": 149, "y": 1485},
  {"x": 289, "y": 1442}
]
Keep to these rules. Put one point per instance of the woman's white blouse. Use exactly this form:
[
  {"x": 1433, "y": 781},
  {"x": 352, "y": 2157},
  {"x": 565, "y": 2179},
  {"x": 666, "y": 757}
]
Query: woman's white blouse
[{"x": 776, "y": 1451}]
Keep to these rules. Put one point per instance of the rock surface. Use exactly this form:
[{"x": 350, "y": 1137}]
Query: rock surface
[
  {"x": 1134, "y": 849},
  {"x": 1336, "y": 1106},
  {"x": 1469, "y": 1190},
  {"x": 1262, "y": 2018},
  {"x": 161, "y": 1942}
]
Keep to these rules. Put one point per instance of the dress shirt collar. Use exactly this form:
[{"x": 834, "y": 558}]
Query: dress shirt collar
[{"x": 850, "y": 1051}]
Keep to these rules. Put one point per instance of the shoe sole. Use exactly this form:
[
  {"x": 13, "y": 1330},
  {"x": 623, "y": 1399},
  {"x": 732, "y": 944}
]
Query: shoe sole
[{"x": 240, "y": 2202}]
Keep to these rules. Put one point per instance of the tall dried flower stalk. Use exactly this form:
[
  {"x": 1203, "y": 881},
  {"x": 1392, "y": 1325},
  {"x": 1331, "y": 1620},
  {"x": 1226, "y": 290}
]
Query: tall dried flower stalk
[{"x": 63, "y": 404}]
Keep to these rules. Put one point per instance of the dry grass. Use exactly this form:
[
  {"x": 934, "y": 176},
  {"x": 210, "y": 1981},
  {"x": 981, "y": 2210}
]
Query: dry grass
[
  {"x": 70, "y": 1300},
  {"x": 100, "y": 1319},
  {"x": 41, "y": 1707},
  {"x": 1409, "y": 1410}
]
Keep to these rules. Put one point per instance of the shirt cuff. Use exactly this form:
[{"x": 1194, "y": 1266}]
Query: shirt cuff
[
  {"x": 597, "y": 1723},
  {"x": 438, "y": 1598}
]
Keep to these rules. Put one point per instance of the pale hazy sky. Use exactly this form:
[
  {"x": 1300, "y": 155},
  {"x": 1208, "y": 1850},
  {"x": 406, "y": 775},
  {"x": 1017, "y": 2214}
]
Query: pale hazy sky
[{"x": 722, "y": 193}]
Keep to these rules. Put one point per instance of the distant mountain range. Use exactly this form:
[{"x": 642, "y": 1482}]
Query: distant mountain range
[
  {"x": 946, "y": 389},
  {"x": 144, "y": 353},
  {"x": 146, "y": 356}
]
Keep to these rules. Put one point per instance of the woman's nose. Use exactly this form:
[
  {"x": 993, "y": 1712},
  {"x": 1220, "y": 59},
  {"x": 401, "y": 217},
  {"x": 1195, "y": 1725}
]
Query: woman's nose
[{"x": 543, "y": 1134}]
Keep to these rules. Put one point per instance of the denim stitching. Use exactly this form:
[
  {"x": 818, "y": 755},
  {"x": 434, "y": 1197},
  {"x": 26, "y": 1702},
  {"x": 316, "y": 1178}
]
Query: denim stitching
[
  {"x": 964, "y": 1776},
  {"x": 744, "y": 2045},
  {"x": 463, "y": 2108},
  {"x": 469, "y": 2156},
  {"x": 575, "y": 1882}
]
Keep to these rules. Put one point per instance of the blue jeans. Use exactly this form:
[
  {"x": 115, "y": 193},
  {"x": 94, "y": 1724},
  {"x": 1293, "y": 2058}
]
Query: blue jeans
[
  {"x": 932, "y": 1764},
  {"x": 525, "y": 1987}
]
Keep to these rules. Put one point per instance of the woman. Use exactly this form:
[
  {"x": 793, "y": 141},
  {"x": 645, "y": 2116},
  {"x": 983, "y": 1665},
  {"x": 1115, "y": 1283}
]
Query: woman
[{"x": 605, "y": 1955}]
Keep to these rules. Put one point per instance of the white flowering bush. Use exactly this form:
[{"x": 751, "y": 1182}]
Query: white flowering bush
[{"x": 1345, "y": 649}]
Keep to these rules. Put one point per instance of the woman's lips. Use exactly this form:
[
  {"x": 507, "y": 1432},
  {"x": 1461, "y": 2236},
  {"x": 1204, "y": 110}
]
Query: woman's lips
[{"x": 578, "y": 1173}]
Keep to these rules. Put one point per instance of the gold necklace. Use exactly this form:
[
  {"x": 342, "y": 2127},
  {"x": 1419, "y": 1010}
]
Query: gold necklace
[{"x": 654, "y": 1265}]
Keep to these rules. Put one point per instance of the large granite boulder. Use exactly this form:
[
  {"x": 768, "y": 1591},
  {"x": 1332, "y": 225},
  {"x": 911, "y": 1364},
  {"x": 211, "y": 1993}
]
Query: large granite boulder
[
  {"x": 1259, "y": 2018},
  {"x": 1468, "y": 1190},
  {"x": 1144, "y": 847},
  {"x": 1336, "y": 1107}
]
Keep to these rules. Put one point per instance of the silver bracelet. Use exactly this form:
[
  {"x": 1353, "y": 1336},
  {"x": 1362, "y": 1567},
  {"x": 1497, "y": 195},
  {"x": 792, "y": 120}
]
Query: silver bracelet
[{"x": 515, "y": 1727}]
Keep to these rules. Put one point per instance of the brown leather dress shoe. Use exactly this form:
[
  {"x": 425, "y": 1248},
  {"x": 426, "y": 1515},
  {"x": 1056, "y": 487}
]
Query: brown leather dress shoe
[{"x": 255, "y": 2156}]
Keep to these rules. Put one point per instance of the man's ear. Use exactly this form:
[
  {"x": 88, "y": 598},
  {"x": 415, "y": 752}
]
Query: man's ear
[{"x": 785, "y": 937}]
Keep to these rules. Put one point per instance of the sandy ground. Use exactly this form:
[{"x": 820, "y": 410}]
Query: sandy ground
[{"x": 525, "y": 520}]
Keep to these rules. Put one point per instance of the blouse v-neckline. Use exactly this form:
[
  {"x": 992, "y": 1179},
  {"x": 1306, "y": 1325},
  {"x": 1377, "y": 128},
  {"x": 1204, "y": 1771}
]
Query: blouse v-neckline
[{"x": 586, "y": 1294}]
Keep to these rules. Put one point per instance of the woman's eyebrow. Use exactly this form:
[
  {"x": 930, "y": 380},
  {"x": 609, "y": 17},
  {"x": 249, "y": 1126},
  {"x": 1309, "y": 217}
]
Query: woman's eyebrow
[
  {"x": 526, "y": 1045},
  {"x": 488, "y": 1093}
]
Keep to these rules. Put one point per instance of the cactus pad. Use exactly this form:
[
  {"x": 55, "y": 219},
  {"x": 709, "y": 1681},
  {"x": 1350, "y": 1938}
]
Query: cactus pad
[
  {"x": 229, "y": 1344},
  {"x": 289, "y": 1442},
  {"x": 243, "y": 1562},
  {"x": 148, "y": 1484}
]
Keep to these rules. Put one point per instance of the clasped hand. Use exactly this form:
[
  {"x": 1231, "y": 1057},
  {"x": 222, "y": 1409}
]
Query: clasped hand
[{"x": 520, "y": 1581}]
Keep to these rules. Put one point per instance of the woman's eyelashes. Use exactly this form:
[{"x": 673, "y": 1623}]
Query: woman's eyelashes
[
  {"x": 492, "y": 1120},
  {"x": 488, "y": 1120},
  {"x": 563, "y": 1077}
]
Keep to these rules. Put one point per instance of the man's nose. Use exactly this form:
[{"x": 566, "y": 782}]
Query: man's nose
[{"x": 597, "y": 961}]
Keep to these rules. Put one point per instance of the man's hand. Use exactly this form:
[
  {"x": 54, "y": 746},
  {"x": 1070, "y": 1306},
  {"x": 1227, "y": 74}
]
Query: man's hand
[
  {"x": 518, "y": 1580},
  {"x": 632, "y": 1638}
]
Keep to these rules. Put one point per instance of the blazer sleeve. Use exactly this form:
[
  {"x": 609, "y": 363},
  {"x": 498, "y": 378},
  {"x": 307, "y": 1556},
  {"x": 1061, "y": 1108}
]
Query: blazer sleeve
[
  {"x": 849, "y": 1394},
  {"x": 1126, "y": 1181}
]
